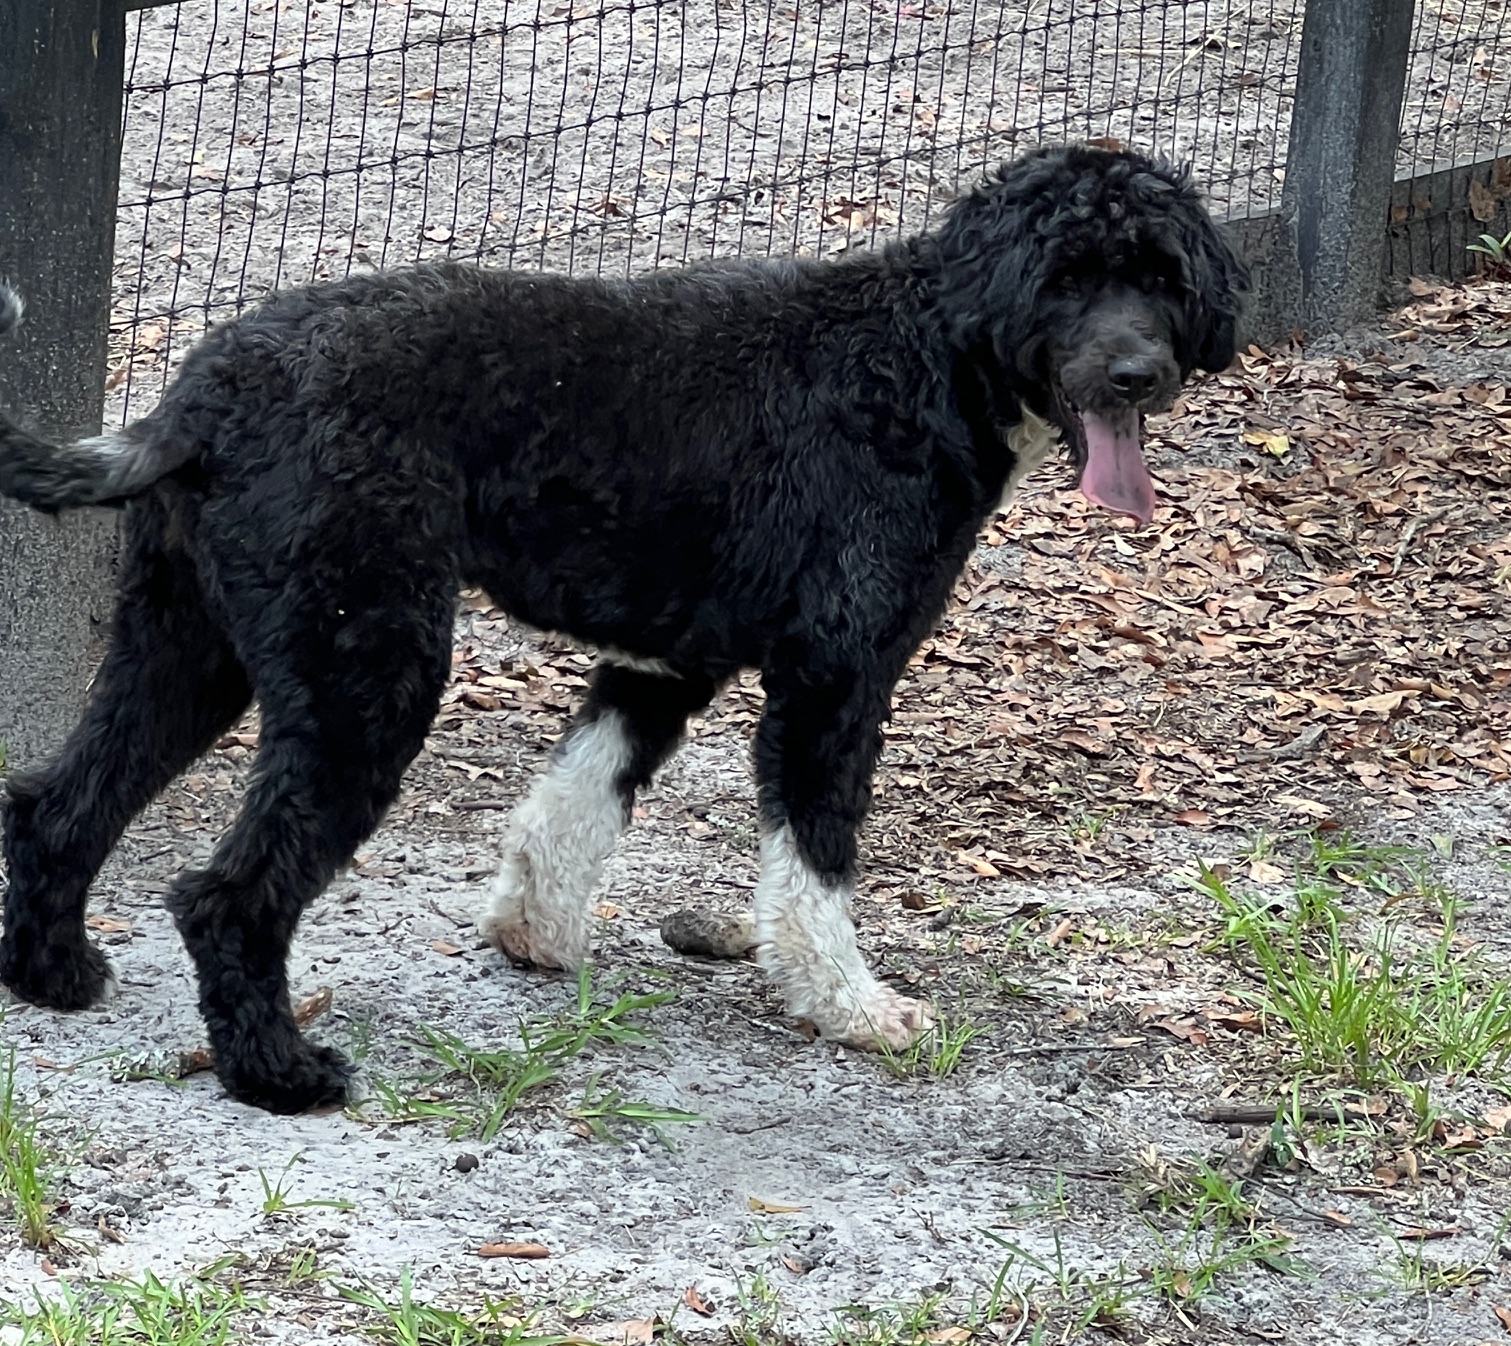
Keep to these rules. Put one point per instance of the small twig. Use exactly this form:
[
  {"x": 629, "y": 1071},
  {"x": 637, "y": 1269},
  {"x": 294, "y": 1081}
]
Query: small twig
[
  {"x": 1422, "y": 1235},
  {"x": 1040, "y": 1166},
  {"x": 1299, "y": 746},
  {"x": 479, "y": 805},
  {"x": 1036, "y": 1049},
  {"x": 1413, "y": 526},
  {"x": 460, "y": 922},
  {"x": 1257, "y": 1114},
  {"x": 1195, "y": 54},
  {"x": 760, "y": 1126}
]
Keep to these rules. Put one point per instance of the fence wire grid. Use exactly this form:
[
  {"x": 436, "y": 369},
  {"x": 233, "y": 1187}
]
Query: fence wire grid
[{"x": 273, "y": 142}]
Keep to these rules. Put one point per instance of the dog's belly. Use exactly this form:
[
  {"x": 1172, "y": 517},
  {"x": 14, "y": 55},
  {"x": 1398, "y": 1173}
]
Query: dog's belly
[{"x": 643, "y": 613}]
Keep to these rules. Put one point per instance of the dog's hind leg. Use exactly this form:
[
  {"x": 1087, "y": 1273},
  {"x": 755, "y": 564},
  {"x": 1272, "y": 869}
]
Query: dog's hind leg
[
  {"x": 556, "y": 841},
  {"x": 815, "y": 750},
  {"x": 168, "y": 686},
  {"x": 346, "y": 700}
]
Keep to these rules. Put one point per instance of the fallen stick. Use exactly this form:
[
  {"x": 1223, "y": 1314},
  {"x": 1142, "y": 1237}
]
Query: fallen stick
[
  {"x": 1413, "y": 526},
  {"x": 1257, "y": 1114}
]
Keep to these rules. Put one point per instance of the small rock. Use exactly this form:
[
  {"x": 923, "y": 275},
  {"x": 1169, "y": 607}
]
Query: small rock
[
  {"x": 465, "y": 1163},
  {"x": 130, "y": 1205},
  {"x": 709, "y": 934}
]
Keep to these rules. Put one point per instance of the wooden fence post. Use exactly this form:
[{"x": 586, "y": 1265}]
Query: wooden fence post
[
  {"x": 1345, "y": 133},
  {"x": 61, "y": 72}
]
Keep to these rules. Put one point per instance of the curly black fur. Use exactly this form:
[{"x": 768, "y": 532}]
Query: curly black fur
[{"x": 778, "y": 465}]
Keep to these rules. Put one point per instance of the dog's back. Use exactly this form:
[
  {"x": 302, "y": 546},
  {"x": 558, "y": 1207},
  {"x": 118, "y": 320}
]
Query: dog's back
[{"x": 602, "y": 458}]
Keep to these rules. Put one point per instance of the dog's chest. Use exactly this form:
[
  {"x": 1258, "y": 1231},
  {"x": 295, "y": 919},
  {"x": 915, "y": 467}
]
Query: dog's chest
[{"x": 1032, "y": 440}]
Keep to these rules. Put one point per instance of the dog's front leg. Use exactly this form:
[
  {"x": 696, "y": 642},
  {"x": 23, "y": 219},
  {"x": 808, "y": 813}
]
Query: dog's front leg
[
  {"x": 555, "y": 843},
  {"x": 815, "y": 751},
  {"x": 539, "y": 902}
]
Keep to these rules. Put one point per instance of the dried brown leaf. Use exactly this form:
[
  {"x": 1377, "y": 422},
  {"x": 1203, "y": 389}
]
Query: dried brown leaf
[{"x": 763, "y": 1207}]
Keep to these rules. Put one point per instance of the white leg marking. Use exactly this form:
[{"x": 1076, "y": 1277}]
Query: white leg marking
[
  {"x": 658, "y": 667},
  {"x": 806, "y": 941},
  {"x": 1032, "y": 440},
  {"x": 555, "y": 843}
]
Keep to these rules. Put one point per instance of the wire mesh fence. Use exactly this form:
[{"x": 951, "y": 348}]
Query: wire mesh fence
[
  {"x": 1456, "y": 104},
  {"x": 1455, "y": 112},
  {"x": 271, "y": 142}
]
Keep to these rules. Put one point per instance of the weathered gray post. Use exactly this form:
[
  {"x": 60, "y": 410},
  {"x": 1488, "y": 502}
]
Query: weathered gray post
[
  {"x": 1345, "y": 130},
  {"x": 61, "y": 71}
]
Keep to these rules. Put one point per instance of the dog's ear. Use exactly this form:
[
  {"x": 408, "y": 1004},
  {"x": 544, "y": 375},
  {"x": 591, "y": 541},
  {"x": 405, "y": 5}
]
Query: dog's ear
[
  {"x": 1216, "y": 281},
  {"x": 995, "y": 254}
]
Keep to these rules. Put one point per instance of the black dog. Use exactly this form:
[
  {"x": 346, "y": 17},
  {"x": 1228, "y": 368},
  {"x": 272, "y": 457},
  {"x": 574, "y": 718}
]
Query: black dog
[{"x": 777, "y": 465}]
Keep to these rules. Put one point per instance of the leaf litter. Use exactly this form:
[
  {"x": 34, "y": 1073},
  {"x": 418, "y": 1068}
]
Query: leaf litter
[{"x": 1305, "y": 632}]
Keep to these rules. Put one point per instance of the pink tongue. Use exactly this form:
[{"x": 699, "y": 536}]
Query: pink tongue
[{"x": 1115, "y": 476}]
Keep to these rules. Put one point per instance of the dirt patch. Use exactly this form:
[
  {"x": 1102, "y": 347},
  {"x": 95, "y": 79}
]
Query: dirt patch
[{"x": 1087, "y": 1076}]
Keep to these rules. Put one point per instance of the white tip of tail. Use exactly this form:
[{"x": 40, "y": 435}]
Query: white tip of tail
[{"x": 12, "y": 306}]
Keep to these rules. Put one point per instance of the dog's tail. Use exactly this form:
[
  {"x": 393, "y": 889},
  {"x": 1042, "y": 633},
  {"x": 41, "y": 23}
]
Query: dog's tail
[{"x": 104, "y": 469}]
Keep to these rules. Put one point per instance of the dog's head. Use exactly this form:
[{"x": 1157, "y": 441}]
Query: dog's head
[{"x": 1092, "y": 283}]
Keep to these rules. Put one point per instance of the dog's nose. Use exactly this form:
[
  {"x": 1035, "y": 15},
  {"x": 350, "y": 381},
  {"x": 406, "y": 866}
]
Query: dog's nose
[{"x": 1133, "y": 377}]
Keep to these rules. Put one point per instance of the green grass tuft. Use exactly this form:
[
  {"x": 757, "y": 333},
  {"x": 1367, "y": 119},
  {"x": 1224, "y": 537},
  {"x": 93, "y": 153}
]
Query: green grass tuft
[
  {"x": 25, "y": 1166},
  {"x": 601, "y": 1112},
  {"x": 938, "y": 1052},
  {"x": 477, "y": 1089},
  {"x": 276, "y": 1201},
  {"x": 1370, "y": 1001},
  {"x": 411, "y": 1322},
  {"x": 149, "y": 1312}
]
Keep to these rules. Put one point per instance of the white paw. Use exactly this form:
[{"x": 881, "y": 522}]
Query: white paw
[
  {"x": 521, "y": 941},
  {"x": 883, "y": 1021}
]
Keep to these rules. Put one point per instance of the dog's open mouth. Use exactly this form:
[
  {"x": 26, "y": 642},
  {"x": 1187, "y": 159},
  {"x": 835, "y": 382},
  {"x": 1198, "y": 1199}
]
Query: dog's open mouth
[{"x": 1115, "y": 476}]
